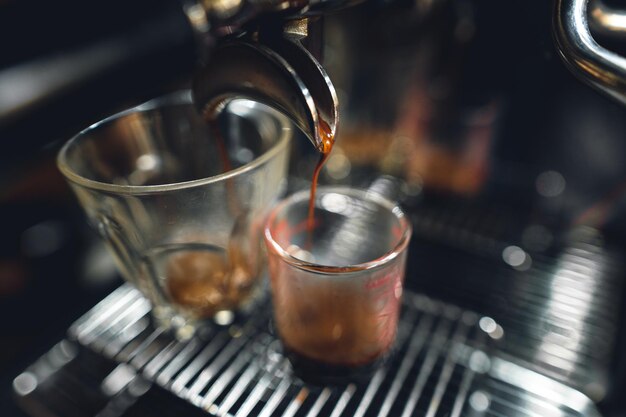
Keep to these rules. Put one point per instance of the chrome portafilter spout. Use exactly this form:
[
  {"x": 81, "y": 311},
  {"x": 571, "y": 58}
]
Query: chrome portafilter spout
[
  {"x": 271, "y": 65},
  {"x": 599, "y": 67}
]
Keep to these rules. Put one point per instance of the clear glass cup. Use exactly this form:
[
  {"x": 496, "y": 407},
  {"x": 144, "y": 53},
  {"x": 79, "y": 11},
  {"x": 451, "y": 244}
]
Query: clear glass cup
[
  {"x": 337, "y": 282},
  {"x": 181, "y": 203}
]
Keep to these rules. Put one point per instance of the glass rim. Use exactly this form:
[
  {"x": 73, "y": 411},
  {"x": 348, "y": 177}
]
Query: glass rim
[
  {"x": 362, "y": 194},
  {"x": 178, "y": 98}
]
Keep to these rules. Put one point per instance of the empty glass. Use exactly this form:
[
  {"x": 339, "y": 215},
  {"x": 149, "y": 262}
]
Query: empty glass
[
  {"x": 180, "y": 202},
  {"x": 337, "y": 282}
]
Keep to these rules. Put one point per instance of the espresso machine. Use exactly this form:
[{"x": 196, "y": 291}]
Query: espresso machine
[{"x": 503, "y": 123}]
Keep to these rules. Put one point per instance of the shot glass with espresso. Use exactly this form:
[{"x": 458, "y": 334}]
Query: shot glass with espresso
[
  {"x": 337, "y": 280},
  {"x": 181, "y": 202}
]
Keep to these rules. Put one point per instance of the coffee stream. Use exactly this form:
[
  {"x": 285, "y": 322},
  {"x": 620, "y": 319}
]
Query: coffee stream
[{"x": 328, "y": 140}]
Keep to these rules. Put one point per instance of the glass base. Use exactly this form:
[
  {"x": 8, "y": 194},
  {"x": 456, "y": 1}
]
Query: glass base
[
  {"x": 186, "y": 326},
  {"x": 315, "y": 372}
]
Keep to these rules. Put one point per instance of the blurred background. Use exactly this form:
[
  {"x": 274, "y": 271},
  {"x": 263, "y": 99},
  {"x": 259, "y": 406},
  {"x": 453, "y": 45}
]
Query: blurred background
[{"x": 514, "y": 171}]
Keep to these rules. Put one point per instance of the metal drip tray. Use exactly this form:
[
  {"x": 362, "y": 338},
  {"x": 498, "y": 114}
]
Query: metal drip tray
[{"x": 446, "y": 364}]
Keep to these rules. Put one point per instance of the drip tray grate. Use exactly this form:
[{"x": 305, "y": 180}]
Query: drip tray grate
[{"x": 445, "y": 365}]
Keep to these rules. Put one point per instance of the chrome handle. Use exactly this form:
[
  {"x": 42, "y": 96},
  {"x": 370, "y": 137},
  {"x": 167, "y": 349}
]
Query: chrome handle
[
  {"x": 606, "y": 20},
  {"x": 601, "y": 68}
]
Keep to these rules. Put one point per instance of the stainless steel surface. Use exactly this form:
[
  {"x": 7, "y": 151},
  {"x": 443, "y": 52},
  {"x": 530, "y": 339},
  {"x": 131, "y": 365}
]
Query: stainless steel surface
[
  {"x": 446, "y": 363},
  {"x": 71, "y": 381},
  {"x": 560, "y": 311},
  {"x": 565, "y": 320},
  {"x": 607, "y": 20},
  {"x": 284, "y": 75},
  {"x": 595, "y": 64}
]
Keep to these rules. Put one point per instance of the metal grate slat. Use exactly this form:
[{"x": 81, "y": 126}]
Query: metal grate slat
[
  {"x": 459, "y": 337},
  {"x": 319, "y": 403},
  {"x": 178, "y": 385},
  {"x": 174, "y": 366},
  {"x": 221, "y": 383},
  {"x": 296, "y": 403},
  {"x": 343, "y": 400}
]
